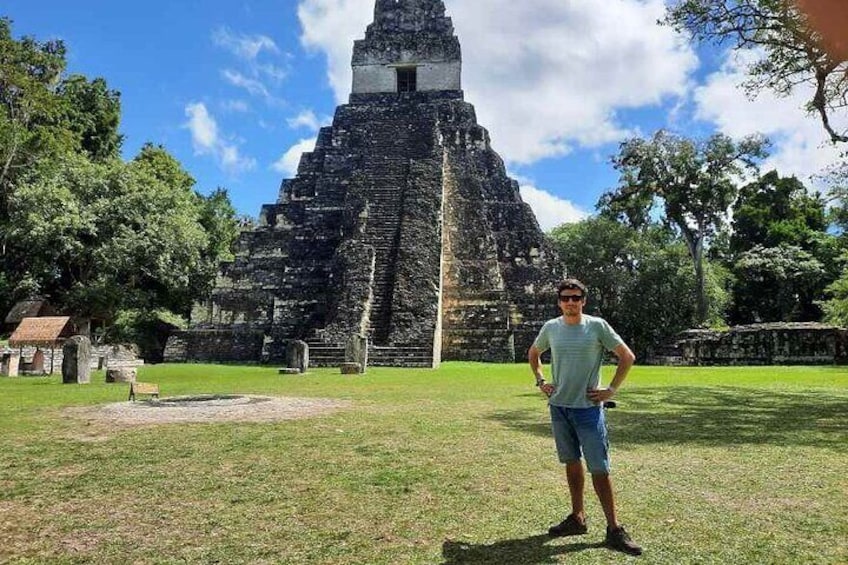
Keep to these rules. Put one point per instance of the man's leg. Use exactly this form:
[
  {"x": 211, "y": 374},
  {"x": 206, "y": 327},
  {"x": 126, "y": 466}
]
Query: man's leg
[
  {"x": 576, "y": 481},
  {"x": 568, "y": 450},
  {"x": 603, "y": 488}
]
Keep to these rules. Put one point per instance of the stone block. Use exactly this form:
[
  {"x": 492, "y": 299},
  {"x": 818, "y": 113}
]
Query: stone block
[
  {"x": 121, "y": 375},
  {"x": 297, "y": 355},
  {"x": 76, "y": 360},
  {"x": 11, "y": 365},
  {"x": 356, "y": 351},
  {"x": 351, "y": 369}
]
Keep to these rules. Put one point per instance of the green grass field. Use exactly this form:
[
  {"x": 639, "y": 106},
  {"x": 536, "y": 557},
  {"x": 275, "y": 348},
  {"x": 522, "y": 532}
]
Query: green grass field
[{"x": 720, "y": 465}]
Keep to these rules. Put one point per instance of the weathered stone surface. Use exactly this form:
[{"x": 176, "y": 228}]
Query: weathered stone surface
[
  {"x": 402, "y": 225},
  {"x": 356, "y": 351},
  {"x": 121, "y": 375},
  {"x": 351, "y": 369},
  {"x": 10, "y": 365},
  {"x": 759, "y": 344},
  {"x": 76, "y": 360},
  {"x": 297, "y": 355}
]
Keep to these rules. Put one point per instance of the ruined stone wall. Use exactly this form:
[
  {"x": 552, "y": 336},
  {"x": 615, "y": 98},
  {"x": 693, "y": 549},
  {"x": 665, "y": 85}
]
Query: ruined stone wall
[{"x": 759, "y": 344}]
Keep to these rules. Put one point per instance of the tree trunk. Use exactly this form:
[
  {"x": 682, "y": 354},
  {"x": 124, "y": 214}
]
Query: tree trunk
[{"x": 695, "y": 243}]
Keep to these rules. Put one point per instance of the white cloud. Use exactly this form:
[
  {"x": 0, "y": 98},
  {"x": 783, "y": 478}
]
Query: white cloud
[
  {"x": 801, "y": 145},
  {"x": 330, "y": 27},
  {"x": 247, "y": 47},
  {"x": 204, "y": 130},
  {"x": 288, "y": 163},
  {"x": 261, "y": 62},
  {"x": 253, "y": 86},
  {"x": 274, "y": 72},
  {"x": 307, "y": 119},
  {"x": 545, "y": 75},
  {"x": 207, "y": 140},
  {"x": 550, "y": 210},
  {"x": 235, "y": 106}
]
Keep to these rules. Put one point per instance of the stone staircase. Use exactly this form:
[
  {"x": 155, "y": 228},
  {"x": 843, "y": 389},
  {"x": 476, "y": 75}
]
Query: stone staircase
[
  {"x": 322, "y": 354},
  {"x": 382, "y": 232}
]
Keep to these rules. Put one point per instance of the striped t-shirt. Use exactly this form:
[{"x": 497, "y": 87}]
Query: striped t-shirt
[{"x": 576, "y": 355}]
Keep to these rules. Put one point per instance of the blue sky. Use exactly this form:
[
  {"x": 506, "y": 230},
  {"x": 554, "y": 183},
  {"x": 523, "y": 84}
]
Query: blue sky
[{"x": 235, "y": 90}]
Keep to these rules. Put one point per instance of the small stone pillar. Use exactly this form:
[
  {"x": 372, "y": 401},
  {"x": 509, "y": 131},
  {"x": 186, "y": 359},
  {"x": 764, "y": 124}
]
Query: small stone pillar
[
  {"x": 356, "y": 351},
  {"x": 76, "y": 360},
  {"x": 297, "y": 355},
  {"x": 14, "y": 365}
]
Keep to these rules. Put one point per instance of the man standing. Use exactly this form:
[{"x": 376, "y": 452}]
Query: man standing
[{"x": 578, "y": 343}]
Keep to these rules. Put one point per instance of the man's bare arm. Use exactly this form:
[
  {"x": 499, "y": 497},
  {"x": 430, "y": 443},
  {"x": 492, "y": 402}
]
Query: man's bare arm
[
  {"x": 534, "y": 356},
  {"x": 625, "y": 362}
]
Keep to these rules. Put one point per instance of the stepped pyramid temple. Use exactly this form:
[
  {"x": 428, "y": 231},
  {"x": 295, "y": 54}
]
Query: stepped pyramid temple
[{"x": 401, "y": 226}]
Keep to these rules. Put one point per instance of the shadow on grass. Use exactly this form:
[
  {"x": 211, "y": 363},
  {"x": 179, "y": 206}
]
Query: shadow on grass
[
  {"x": 534, "y": 549},
  {"x": 713, "y": 416}
]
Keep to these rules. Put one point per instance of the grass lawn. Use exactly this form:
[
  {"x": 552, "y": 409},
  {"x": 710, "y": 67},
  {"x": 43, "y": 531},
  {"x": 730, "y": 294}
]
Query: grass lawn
[{"x": 720, "y": 465}]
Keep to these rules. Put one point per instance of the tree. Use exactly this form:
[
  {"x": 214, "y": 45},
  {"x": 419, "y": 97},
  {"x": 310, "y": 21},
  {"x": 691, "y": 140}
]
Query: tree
[
  {"x": 221, "y": 222},
  {"x": 794, "y": 50},
  {"x": 836, "y": 308},
  {"x": 100, "y": 237},
  {"x": 780, "y": 252},
  {"x": 776, "y": 284},
  {"x": 640, "y": 281},
  {"x": 31, "y": 113},
  {"x": 694, "y": 182},
  {"x": 93, "y": 112},
  {"x": 774, "y": 211}
]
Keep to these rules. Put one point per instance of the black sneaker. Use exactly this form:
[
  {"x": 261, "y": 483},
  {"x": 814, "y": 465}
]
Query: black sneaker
[
  {"x": 619, "y": 540},
  {"x": 571, "y": 526}
]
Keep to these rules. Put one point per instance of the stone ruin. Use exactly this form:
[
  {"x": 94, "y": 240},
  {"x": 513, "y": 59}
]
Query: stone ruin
[
  {"x": 779, "y": 343},
  {"x": 76, "y": 360},
  {"x": 401, "y": 227}
]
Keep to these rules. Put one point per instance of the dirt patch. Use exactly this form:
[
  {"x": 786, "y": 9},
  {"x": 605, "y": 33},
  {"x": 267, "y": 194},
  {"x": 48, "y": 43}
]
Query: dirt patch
[{"x": 208, "y": 409}]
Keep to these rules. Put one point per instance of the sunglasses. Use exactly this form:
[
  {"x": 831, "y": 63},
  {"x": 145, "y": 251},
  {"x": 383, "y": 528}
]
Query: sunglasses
[{"x": 571, "y": 298}]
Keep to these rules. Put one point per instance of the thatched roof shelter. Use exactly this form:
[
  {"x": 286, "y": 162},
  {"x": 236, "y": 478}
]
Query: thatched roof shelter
[
  {"x": 47, "y": 332},
  {"x": 30, "y": 308}
]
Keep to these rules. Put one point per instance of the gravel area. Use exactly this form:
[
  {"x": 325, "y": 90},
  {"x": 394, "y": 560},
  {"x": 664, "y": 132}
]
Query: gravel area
[{"x": 210, "y": 409}]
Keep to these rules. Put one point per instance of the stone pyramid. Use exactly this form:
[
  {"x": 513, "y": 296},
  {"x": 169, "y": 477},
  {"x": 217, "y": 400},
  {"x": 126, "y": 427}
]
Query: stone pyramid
[{"x": 402, "y": 225}]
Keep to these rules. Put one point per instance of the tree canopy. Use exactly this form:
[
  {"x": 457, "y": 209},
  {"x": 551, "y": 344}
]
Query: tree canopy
[{"x": 775, "y": 210}]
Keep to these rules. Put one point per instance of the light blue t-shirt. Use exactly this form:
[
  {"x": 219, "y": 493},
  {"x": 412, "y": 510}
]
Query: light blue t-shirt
[{"x": 576, "y": 355}]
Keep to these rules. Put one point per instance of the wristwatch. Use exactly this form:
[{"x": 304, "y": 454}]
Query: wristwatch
[{"x": 540, "y": 381}]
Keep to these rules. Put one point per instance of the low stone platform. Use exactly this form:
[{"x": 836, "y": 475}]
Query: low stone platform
[{"x": 758, "y": 344}]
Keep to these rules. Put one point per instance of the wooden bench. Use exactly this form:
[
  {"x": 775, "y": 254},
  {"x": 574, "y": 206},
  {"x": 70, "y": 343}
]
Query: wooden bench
[{"x": 144, "y": 388}]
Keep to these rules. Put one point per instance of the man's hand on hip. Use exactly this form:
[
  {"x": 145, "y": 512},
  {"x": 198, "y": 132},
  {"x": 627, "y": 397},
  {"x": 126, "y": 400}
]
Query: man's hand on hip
[{"x": 600, "y": 394}]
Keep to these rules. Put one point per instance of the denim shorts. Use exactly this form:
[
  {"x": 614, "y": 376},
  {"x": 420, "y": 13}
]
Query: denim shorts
[{"x": 583, "y": 430}]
